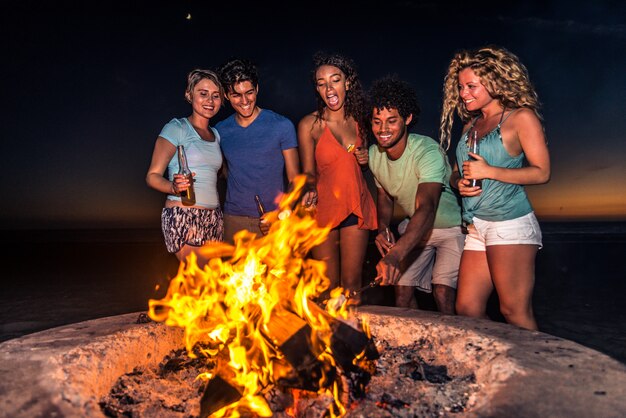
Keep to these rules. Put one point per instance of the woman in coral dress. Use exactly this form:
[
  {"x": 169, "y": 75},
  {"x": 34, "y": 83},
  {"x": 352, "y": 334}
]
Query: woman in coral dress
[{"x": 334, "y": 154}]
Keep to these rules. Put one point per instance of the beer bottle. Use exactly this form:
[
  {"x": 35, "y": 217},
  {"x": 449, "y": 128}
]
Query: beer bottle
[
  {"x": 188, "y": 196},
  {"x": 259, "y": 205},
  {"x": 472, "y": 144}
]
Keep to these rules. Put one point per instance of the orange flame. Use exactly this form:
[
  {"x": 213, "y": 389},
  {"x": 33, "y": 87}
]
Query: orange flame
[{"x": 230, "y": 308}]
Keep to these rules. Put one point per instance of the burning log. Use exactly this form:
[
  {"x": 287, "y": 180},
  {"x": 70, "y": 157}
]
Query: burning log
[
  {"x": 218, "y": 394},
  {"x": 293, "y": 337},
  {"x": 300, "y": 368},
  {"x": 347, "y": 343}
]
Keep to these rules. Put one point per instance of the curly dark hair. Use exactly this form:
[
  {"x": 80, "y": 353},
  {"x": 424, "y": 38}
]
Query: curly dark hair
[
  {"x": 356, "y": 103},
  {"x": 237, "y": 70},
  {"x": 390, "y": 92}
]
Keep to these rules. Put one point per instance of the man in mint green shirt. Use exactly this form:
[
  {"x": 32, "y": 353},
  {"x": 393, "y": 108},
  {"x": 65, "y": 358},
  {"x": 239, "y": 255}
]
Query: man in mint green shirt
[{"x": 413, "y": 171}]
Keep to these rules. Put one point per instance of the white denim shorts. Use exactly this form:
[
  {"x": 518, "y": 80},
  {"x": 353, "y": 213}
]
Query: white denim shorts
[{"x": 522, "y": 230}]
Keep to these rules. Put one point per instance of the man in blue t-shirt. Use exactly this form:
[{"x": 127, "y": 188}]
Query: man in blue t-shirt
[{"x": 259, "y": 147}]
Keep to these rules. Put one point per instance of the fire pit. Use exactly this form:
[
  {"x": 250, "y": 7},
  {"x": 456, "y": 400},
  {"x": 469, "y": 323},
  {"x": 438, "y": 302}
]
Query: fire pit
[
  {"x": 266, "y": 336},
  {"x": 67, "y": 371}
]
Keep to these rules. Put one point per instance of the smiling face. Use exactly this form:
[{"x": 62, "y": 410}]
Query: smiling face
[
  {"x": 206, "y": 98},
  {"x": 390, "y": 130},
  {"x": 331, "y": 85},
  {"x": 472, "y": 92},
  {"x": 242, "y": 97}
]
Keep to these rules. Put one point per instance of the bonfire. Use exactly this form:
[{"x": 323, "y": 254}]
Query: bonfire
[{"x": 263, "y": 313}]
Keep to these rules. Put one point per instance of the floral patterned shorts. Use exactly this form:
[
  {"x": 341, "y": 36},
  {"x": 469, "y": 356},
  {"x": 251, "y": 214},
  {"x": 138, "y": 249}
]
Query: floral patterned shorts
[{"x": 191, "y": 226}]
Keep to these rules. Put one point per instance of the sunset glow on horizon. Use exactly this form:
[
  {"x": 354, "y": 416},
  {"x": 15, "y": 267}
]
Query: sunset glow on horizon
[{"x": 107, "y": 92}]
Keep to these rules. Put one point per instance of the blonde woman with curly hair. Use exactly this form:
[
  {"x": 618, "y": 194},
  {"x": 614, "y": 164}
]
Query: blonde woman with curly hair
[{"x": 491, "y": 92}]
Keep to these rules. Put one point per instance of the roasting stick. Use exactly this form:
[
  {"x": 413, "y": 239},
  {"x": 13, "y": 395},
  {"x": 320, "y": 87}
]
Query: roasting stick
[
  {"x": 377, "y": 279},
  {"x": 371, "y": 284}
]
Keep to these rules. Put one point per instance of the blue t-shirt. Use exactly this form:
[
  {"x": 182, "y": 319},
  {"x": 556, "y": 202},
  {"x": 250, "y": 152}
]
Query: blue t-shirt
[
  {"x": 254, "y": 157},
  {"x": 204, "y": 159}
]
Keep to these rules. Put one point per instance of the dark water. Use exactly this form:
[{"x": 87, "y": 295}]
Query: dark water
[{"x": 52, "y": 278}]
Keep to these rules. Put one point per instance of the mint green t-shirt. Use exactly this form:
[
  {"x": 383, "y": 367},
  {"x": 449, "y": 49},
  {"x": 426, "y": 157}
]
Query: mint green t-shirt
[{"x": 423, "y": 161}]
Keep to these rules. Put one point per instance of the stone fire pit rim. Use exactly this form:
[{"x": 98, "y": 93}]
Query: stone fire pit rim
[{"x": 65, "y": 370}]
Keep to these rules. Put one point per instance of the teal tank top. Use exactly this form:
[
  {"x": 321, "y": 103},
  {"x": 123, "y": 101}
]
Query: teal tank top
[{"x": 499, "y": 201}]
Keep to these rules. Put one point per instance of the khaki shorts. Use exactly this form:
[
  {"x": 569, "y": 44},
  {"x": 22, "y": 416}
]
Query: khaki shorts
[
  {"x": 235, "y": 223},
  {"x": 522, "y": 230},
  {"x": 435, "y": 261}
]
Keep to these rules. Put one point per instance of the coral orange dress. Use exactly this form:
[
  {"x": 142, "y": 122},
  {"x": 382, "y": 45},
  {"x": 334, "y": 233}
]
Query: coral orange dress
[{"x": 341, "y": 187}]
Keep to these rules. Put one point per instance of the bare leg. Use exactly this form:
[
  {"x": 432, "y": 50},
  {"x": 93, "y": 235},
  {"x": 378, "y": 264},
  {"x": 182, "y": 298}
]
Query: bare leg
[
  {"x": 353, "y": 246},
  {"x": 445, "y": 297},
  {"x": 184, "y": 252},
  {"x": 405, "y": 296},
  {"x": 474, "y": 286},
  {"x": 513, "y": 270},
  {"x": 328, "y": 251}
]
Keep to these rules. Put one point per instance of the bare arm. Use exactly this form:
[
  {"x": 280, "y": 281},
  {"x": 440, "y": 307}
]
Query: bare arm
[
  {"x": 524, "y": 134},
  {"x": 463, "y": 185},
  {"x": 306, "y": 148},
  {"x": 292, "y": 163},
  {"x": 163, "y": 152},
  {"x": 455, "y": 176},
  {"x": 292, "y": 169},
  {"x": 460, "y": 183},
  {"x": 384, "y": 209},
  {"x": 426, "y": 202}
]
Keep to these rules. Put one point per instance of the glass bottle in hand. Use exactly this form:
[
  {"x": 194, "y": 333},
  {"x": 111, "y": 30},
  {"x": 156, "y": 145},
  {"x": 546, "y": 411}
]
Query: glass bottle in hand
[
  {"x": 188, "y": 196},
  {"x": 472, "y": 145},
  {"x": 259, "y": 205}
]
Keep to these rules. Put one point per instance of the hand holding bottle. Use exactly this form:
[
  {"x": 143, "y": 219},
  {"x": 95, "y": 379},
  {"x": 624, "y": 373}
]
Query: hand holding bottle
[
  {"x": 309, "y": 199},
  {"x": 475, "y": 170},
  {"x": 473, "y": 152},
  {"x": 181, "y": 183},
  {"x": 384, "y": 241},
  {"x": 264, "y": 225},
  {"x": 186, "y": 190},
  {"x": 471, "y": 184}
]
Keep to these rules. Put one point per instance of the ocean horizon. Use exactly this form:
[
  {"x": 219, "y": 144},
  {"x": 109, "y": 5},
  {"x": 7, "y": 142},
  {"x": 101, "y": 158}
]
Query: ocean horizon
[
  {"x": 573, "y": 229},
  {"x": 53, "y": 277}
]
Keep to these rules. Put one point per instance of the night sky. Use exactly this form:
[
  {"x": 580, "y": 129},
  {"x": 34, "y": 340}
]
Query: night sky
[{"x": 87, "y": 90}]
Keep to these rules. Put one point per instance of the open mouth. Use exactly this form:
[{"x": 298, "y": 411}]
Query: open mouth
[{"x": 333, "y": 100}]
